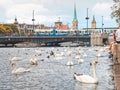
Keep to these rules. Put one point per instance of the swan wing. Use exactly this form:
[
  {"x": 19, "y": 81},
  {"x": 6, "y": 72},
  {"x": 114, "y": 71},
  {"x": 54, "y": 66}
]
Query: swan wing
[
  {"x": 85, "y": 79},
  {"x": 20, "y": 70},
  {"x": 16, "y": 58}
]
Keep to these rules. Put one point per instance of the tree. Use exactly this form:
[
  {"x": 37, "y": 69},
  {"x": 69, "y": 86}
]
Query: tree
[
  {"x": 2, "y": 29},
  {"x": 116, "y": 11},
  {"x": 8, "y": 29}
]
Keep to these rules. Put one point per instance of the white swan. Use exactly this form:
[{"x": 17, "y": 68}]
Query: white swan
[
  {"x": 18, "y": 70},
  {"x": 62, "y": 53},
  {"x": 69, "y": 63},
  {"x": 14, "y": 58},
  {"x": 69, "y": 53},
  {"x": 80, "y": 60},
  {"x": 99, "y": 55},
  {"x": 57, "y": 54},
  {"x": 86, "y": 78},
  {"x": 34, "y": 61},
  {"x": 77, "y": 56}
]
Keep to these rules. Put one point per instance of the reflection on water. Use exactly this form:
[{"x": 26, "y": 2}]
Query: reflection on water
[
  {"x": 52, "y": 73},
  {"x": 82, "y": 86}
]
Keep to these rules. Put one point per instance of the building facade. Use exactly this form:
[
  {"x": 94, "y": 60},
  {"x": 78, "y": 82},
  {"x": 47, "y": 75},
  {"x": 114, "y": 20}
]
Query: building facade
[{"x": 29, "y": 28}]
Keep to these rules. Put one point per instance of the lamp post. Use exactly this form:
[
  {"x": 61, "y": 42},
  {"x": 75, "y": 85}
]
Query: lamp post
[
  {"x": 87, "y": 18},
  {"x": 33, "y": 20},
  {"x": 102, "y": 24}
]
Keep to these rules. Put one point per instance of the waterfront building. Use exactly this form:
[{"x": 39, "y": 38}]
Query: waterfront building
[
  {"x": 58, "y": 25},
  {"x": 28, "y": 28},
  {"x": 109, "y": 30},
  {"x": 95, "y": 29},
  {"x": 63, "y": 28}
]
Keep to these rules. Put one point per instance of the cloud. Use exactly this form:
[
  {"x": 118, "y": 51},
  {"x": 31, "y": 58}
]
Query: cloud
[
  {"x": 102, "y": 8},
  {"x": 48, "y": 11},
  {"x": 23, "y": 11}
]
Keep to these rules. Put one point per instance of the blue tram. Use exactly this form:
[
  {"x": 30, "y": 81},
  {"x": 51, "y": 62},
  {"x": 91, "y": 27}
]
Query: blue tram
[{"x": 52, "y": 33}]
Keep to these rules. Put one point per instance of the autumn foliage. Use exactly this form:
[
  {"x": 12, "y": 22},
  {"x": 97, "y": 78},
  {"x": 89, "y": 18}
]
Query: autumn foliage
[
  {"x": 116, "y": 11},
  {"x": 8, "y": 28}
]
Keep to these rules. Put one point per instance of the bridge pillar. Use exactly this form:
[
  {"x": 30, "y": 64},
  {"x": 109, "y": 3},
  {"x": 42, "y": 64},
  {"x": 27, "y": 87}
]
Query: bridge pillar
[
  {"x": 99, "y": 39},
  {"x": 5, "y": 45},
  {"x": 13, "y": 45},
  {"x": 45, "y": 44}
]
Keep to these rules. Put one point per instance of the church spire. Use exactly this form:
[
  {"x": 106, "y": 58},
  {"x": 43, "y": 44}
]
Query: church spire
[
  {"x": 75, "y": 14},
  {"x": 75, "y": 21}
]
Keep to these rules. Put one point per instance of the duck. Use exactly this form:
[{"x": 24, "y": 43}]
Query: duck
[
  {"x": 19, "y": 70},
  {"x": 86, "y": 78}
]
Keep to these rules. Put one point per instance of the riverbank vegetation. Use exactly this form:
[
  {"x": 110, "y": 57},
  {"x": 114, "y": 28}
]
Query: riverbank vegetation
[{"x": 8, "y": 29}]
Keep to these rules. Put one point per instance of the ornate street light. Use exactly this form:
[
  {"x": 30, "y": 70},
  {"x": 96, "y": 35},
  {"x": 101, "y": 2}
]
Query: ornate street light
[
  {"x": 102, "y": 24},
  {"x": 33, "y": 20},
  {"x": 87, "y": 18}
]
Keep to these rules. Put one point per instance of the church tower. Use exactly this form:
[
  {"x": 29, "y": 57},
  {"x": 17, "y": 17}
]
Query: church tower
[
  {"x": 75, "y": 21},
  {"x": 93, "y": 23},
  {"x": 58, "y": 24}
]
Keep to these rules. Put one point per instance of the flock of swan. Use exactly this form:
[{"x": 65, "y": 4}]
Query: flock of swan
[{"x": 57, "y": 54}]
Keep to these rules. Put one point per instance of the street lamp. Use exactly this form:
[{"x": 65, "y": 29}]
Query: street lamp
[
  {"x": 33, "y": 20},
  {"x": 102, "y": 24},
  {"x": 87, "y": 18}
]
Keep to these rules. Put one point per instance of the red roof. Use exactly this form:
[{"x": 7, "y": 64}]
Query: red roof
[{"x": 65, "y": 27}]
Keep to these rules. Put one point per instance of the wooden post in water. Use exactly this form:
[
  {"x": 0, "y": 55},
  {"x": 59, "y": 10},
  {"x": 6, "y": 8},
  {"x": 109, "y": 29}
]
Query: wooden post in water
[{"x": 116, "y": 55}]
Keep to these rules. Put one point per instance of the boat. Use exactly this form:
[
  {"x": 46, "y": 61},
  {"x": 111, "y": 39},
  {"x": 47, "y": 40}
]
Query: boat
[{"x": 71, "y": 44}]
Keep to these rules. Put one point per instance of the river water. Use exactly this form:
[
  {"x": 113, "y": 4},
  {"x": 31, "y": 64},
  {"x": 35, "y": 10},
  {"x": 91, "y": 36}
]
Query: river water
[{"x": 53, "y": 73}]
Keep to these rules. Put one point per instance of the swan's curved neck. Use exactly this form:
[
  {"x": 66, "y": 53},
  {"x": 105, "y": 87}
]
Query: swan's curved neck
[{"x": 94, "y": 72}]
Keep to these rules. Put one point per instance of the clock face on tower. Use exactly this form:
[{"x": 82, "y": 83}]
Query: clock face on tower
[{"x": 75, "y": 24}]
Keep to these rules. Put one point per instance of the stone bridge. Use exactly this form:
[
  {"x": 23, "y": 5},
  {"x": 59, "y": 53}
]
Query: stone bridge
[{"x": 42, "y": 39}]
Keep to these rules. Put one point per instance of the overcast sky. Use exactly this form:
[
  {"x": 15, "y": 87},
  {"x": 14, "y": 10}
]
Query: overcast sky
[{"x": 49, "y": 11}]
